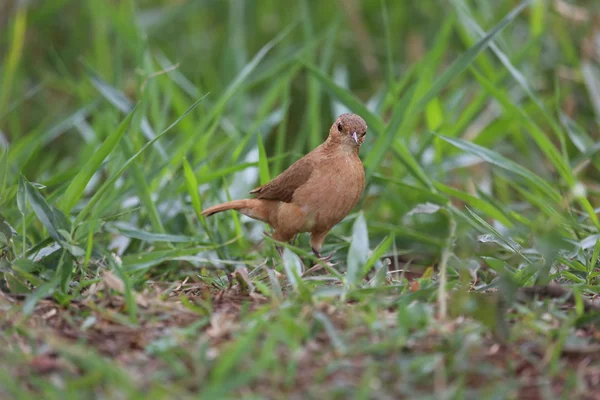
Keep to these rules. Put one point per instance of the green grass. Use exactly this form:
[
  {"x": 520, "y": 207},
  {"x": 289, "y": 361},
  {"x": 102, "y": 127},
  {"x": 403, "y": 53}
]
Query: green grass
[{"x": 468, "y": 270}]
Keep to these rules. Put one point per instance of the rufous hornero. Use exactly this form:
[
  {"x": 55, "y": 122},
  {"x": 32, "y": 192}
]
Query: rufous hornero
[{"x": 314, "y": 193}]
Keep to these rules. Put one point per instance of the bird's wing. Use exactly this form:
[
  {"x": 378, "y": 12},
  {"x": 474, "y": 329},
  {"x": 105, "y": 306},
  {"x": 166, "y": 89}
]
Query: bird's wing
[{"x": 282, "y": 187}]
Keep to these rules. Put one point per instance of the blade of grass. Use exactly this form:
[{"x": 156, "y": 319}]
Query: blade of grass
[
  {"x": 151, "y": 237},
  {"x": 130, "y": 301},
  {"x": 534, "y": 130},
  {"x": 313, "y": 98},
  {"x": 140, "y": 263},
  {"x": 516, "y": 74},
  {"x": 496, "y": 159},
  {"x": 465, "y": 60},
  {"x": 358, "y": 254},
  {"x": 231, "y": 89},
  {"x": 376, "y": 255},
  {"x": 375, "y": 124},
  {"x": 3, "y": 171},
  {"x": 143, "y": 189},
  {"x": 14, "y": 54},
  {"x": 42, "y": 210},
  {"x": 476, "y": 202},
  {"x": 77, "y": 186},
  {"x": 192, "y": 187},
  {"x": 109, "y": 182},
  {"x": 122, "y": 103},
  {"x": 263, "y": 163}
]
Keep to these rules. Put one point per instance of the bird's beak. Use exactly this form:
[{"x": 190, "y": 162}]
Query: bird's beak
[{"x": 355, "y": 137}]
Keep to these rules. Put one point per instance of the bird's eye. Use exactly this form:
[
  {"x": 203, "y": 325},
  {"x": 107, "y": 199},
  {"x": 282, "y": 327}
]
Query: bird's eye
[{"x": 340, "y": 127}]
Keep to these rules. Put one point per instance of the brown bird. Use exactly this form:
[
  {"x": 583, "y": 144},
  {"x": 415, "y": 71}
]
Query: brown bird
[{"x": 314, "y": 193}]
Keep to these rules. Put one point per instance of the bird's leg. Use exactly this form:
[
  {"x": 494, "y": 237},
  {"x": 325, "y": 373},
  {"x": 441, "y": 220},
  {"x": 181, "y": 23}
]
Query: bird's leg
[
  {"x": 280, "y": 251},
  {"x": 320, "y": 257},
  {"x": 316, "y": 241},
  {"x": 319, "y": 265}
]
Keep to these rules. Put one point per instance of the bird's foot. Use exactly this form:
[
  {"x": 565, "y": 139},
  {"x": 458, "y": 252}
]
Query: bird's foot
[
  {"x": 279, "y": 251},
  {"x": 325, "y": 259},
  {"x": 320, "y": 265}
]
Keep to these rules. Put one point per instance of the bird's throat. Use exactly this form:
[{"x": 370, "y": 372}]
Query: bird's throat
[{"x": 341, "y": 146}]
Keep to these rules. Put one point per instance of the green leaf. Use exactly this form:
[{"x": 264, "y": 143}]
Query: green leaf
[
  {"x": 376, "y": 255},
  {"x": 591, "y": 77},
  {"x": 208, "y": 177},
  {"x": 110, "y": 181},
  {"x": 386, "y": 138},
  {"x": 132, "y": 232},
  {"x": 594, "y": 259},
  {"x": 331, "y": 331},
  {"x": 234, "y": 86},
  {"x": 276, "y": 291},
  {"x": 263, "y": 163},
  {"x": 358, "y": 254},
  {"x": 16, "y": 284},
  {"x": 192, "y": 187},
  {"x": 496, "y": 159},
  {"x": 22, "y": 197},
  {"x": 457, "y": 67},
  {"x": 411, "y": 164},
  {"x": 348, "y": 99},
  {"x": 516, "y": 74},
  {"x": 143, "y": 261},
  {"x": 417, "y": 193},
  {"x": 3, "y": 171},
  {"x": 578, "y": 136},
  {"x": 434, "y": 114},
  {"x": 587, "y": 206},
  {"x": 424, "y": 208},
  {"x": 293, "y": 267},
  {"x": 498, "y": 265},
  {"x": 476, "y": 202},
  {"x": 496, "y": 236},
  {"x": 143, "y": 189},
  {"x": 5, "y": 229},
  {"x": 42, "y": 210},
  {"x": 118, "y": 99},
  {"x": 41, "y": 292},
  {"x": 536, "y": 17},
  {"x": 13, "y": 54},
  {"x": 461, "y": 63},
  {"x": 377, "y": 126},
  {"x": 78, "y": 184},
  {"x": 533, "y": 129},
  {"x": 127, "y": 290},
  {"x": 61, "y": 220}
]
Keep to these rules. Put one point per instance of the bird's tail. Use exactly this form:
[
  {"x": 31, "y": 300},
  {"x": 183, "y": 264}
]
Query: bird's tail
[{"x": 254, "y": 208}]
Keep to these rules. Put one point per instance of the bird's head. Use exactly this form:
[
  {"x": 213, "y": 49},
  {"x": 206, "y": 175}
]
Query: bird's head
[{"x": 348, "y": 130}]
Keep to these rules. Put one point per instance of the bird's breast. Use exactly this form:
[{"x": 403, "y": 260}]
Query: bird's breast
[{"x": 334, "y": 188}]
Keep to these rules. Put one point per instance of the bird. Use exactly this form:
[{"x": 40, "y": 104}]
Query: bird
[{"x": 315, "y": 193}]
